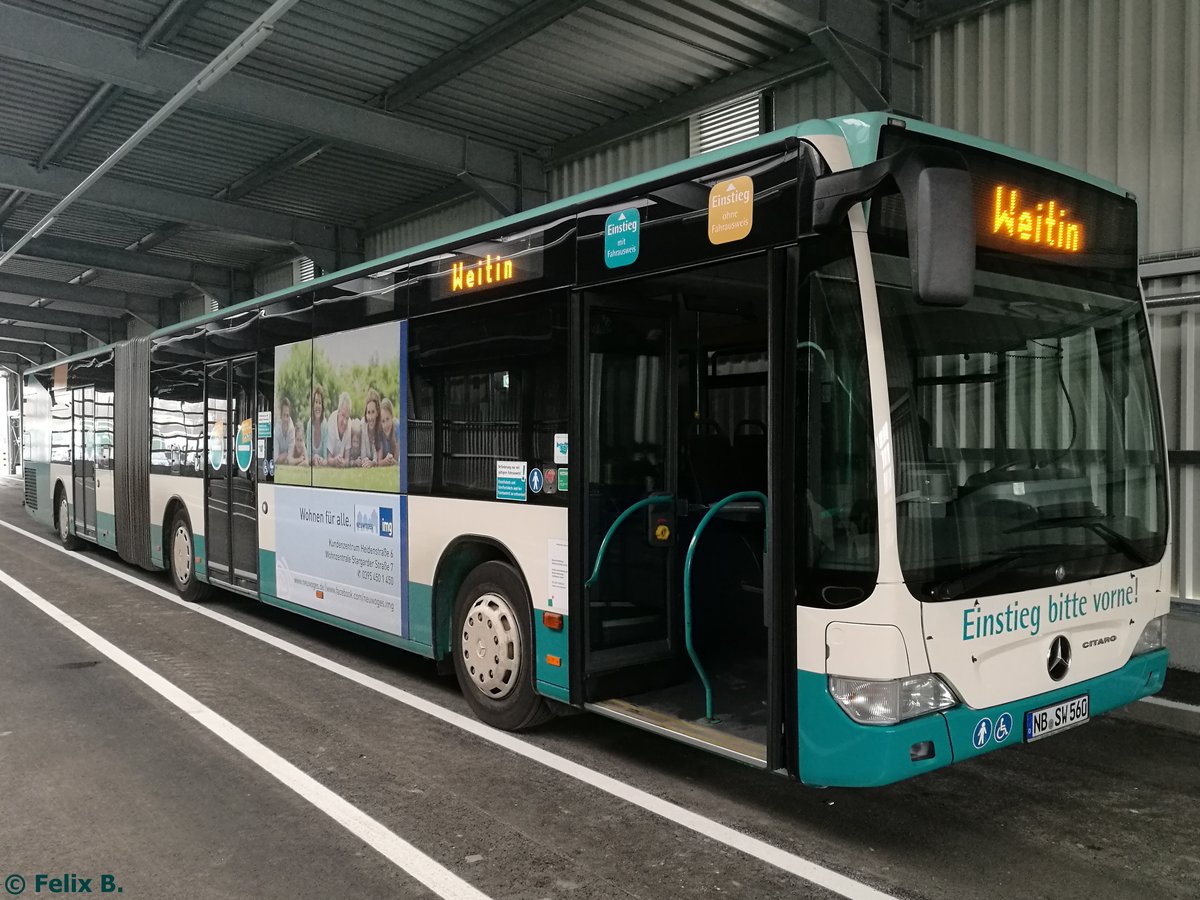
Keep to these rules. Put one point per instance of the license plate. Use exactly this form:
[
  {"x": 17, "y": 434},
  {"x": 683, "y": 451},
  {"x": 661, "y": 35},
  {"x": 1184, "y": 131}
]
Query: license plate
[{"x": 1048, "y": 720}]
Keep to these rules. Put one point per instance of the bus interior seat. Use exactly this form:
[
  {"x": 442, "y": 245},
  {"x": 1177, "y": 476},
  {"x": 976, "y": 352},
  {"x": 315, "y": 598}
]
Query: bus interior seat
[
  {"x": 750, "y": 454},
  {"x": 712, "y": 468}
]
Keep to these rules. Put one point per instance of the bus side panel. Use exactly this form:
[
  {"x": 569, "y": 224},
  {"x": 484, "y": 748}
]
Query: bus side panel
[
  {"x": 266, "y": 541},
  {"x": 106, "y": 509},
  {"x": 535, "y": 536},
  {"x": 163, "y": 489},
  {"x": 340, "y": 556}
]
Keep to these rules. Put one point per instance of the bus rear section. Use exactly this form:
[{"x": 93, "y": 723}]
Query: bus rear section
[{"x": 1022, "y": 584}]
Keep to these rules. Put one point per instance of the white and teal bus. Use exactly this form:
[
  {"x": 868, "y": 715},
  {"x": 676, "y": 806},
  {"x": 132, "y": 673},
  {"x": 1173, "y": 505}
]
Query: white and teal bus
[{"x": 837, "y": 452}]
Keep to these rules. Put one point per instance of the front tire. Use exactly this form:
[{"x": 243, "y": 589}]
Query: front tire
[
  {"x": 181, "y": 560},
  {"x": 63, "y": 523},
  {"x": 493, "y": 649}
]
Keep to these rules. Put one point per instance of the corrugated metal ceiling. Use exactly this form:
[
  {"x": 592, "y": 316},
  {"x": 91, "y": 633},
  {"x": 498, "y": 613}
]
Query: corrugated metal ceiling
[{"x": 581, "y": 65}]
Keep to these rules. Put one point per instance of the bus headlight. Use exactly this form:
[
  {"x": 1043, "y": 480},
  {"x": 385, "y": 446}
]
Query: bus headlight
[
  {"x": 1154, "y": 636},
  {"x": 889, "y": 702}
]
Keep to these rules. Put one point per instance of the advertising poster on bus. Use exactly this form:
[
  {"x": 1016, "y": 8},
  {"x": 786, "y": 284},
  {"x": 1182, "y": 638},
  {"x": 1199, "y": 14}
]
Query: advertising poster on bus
[
  {"x": 343, "y": 554},
  {"x": 336, "y": 410}
]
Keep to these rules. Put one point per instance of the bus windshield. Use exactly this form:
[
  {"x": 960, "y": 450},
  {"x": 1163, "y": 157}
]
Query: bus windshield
[{"x": 1026, "y": 439}]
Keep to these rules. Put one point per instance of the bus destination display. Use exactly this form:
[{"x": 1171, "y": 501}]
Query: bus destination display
[
  {"x": 1026, "y": 210},
  {"x": 1021, "y": 217},
  {"x": 484, "y": 267}
]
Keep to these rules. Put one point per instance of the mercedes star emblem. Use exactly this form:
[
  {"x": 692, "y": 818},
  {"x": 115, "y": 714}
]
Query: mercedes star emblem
[{"x": 1059, "y": 658}]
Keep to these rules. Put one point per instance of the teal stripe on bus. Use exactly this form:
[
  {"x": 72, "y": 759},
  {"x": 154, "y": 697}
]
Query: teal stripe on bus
[
  {"x": 157, "y": 554},
  {"x": 553, "y": 681},
  {"x": 266, "y": 572},
  {"x": 420, "y": 613},
  {"x": 346, "y": 624},
  {"x": 200, "y": 551},
  {"x": 106, "y": 530},
  {"x": 1141, "y": 676}
]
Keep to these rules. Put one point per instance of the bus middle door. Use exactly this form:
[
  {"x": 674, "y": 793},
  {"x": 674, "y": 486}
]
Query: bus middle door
[
  {"x": 230, "y": 489},
  {"x": 83, "y": 460}
]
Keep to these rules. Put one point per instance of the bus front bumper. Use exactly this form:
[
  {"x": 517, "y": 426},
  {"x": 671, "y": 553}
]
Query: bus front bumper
[{"x": 834, "y": 750}]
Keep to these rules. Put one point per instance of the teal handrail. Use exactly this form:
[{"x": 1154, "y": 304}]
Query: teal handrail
[
  {"x": 687, "y": 587},
  {"x": 653, "y": 500}
]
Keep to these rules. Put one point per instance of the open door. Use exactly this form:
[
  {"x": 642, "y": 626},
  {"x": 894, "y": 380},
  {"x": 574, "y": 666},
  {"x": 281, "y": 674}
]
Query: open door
[
  {"x": 672, "y": 462},
  {"x": 628, "y": 479},
  {"x": 231, "y": 533}
]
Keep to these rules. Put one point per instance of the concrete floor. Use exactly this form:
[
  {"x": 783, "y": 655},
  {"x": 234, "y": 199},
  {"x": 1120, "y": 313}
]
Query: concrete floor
[{"x": 98, "y": 774}]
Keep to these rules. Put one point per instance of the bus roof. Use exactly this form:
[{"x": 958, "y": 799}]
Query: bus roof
[{"x": 860, "y": 130}]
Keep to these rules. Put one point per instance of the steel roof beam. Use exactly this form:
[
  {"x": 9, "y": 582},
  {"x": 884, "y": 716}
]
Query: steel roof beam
[
  {"x": 532, "y": 18},
  {"x": 805, "y": 61},
  {"x": 58, "y": 181},
  {"x": 99, "y": 327},
  {"x": 1170, "y": 268},
  {"x": 88, "y": 53},
  {"x": 113, "y": 259},
  {"x": 831, "y": 46},
  {"x": 454, "y": 193},
  {"x": 290, "y": 159},
  {"x": 97, "y": 105},
  {"x": 44, "y": 352},
  {"x": 524, "y": 22},
  {"x": 103, "y": 300},
  {"x": 41, "y": 358},
  {"x": 59, "y": 340},
  {"x": 473, "y": 52},
  {"x": 14, "y": 201},
  {"x": 169, "y": 23}
]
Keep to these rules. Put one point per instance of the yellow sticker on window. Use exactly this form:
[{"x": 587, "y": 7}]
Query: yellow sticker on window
[{"x": 730, "y": 210}]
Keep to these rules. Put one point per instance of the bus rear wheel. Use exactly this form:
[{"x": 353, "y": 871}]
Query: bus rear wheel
[
  {"x": 68, "y": 540},
  {"x": 181, "y": 558},
  {"x": 493, "y": 649}
]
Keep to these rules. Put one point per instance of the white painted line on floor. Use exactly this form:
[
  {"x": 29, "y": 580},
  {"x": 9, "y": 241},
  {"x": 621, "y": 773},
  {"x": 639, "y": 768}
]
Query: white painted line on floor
[
  {"x": 1172, "y": 704},
  {"x": 424, "y": 869},
  {"x": 751, "y": 846}
]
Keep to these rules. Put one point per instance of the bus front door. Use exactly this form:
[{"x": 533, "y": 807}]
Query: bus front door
[
  {"x": 231, "y": 531},
  {"x": 677, "y": 601},
  {"x": 626, "y": 464}
]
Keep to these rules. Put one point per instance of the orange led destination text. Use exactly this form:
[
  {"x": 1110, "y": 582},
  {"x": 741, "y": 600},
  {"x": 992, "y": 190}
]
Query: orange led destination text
[
  {"x": 481, "y": 274},
  {"x": 1044, "y": 223}
]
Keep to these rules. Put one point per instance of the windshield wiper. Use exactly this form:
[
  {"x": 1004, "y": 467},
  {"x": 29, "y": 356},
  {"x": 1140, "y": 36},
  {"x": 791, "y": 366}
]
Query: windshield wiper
[
  {"x": 1097, "y": 526},
  {"x": 973, "y": 576}
]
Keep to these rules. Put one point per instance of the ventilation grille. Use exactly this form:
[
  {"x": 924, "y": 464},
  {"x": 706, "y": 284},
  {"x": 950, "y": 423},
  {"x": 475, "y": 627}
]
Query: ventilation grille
[
  {"x": 30, "y": 489},
  {"x": 305, "y": 269},
  {"x": 726, "y": 124}
]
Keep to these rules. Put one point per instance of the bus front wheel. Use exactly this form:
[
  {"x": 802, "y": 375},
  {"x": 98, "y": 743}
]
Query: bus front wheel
[
  {"x": 182, "y": 559},
  {"x": 493, "y": 649},
  {"x": 68, "y": 540}
]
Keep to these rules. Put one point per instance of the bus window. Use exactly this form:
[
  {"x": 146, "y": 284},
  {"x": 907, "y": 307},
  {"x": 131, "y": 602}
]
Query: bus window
[
  {"x": 485, "y": 387},
  {"x": 835, "y": 453}
]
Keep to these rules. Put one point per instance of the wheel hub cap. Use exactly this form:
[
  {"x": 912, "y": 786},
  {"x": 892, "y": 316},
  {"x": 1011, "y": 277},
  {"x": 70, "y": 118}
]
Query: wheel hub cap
[
  {"x": 491, "y": 646},
  {"x": 182, "y": 556}
]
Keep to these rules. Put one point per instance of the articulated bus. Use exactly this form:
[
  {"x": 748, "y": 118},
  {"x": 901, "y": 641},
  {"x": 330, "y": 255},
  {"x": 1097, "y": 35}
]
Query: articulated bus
[{"x": 837, "y": 452}]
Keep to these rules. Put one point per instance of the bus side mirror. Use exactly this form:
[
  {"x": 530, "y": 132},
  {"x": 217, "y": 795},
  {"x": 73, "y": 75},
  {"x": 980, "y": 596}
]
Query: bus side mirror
[{"x": 939, "y": 215}]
